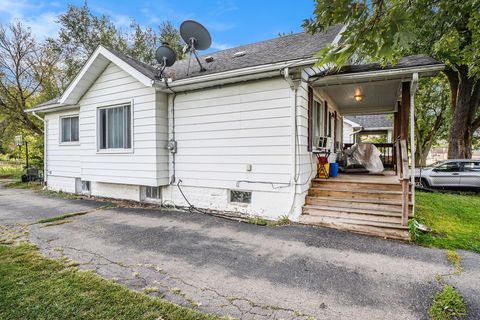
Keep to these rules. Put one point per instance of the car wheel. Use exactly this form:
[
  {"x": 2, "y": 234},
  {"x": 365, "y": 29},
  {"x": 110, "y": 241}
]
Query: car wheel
[{"x": 424, "y": 183}]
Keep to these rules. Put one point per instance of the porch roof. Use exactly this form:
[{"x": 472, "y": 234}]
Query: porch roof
[{"x": 377, "y": 85}]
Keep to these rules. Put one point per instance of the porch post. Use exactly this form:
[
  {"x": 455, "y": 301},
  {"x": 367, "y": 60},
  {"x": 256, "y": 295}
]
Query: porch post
[
  {"x": 413, "y": 89},
  {"x": 396, "y": 133}
]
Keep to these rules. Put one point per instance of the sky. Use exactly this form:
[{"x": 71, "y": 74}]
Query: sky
[{"x": 230, "y": 22}]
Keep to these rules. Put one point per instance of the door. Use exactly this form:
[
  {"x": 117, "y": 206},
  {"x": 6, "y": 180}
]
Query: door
[
  {"x": 470, "y": 174},
  {"x": 446, "y": 175}
]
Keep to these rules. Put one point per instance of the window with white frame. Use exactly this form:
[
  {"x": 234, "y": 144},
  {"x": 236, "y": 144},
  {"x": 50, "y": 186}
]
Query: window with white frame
[
  {"x": 114, "y": 127},
  {"x": 69, "y": 129}
]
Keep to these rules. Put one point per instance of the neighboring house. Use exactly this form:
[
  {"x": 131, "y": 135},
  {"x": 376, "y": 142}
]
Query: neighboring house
[
  {"x": 359, "y": 128},
  {"x": 238, "y": 137}
]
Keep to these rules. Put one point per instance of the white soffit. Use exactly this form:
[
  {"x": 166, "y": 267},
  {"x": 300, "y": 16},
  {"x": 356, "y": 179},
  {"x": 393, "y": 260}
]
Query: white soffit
[{"x": 378, "y": 97}]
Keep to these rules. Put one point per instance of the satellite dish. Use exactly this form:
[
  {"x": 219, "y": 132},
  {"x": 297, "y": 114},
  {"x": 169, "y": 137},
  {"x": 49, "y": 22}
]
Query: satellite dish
[
  {"x": 165, "y": 55},
  {"x": 196, "y": 37}
]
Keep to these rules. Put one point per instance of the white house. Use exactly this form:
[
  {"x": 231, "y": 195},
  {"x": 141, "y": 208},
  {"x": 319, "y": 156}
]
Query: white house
[
  {"x": 356, "y": 127},
  {"x": 238, "y": 137}
]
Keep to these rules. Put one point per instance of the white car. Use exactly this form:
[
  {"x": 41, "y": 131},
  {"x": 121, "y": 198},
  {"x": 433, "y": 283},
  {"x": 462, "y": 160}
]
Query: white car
[{"x": 461, "y": 173}]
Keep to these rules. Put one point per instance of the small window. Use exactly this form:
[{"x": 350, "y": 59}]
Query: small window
[
  {"x": 115, "y": 127},
  {"x": 240, "y": 196},
  {"x": 69, "y": 129},
  {"x": 153, "y": 193},
  {"x": 86, "y": 187}
]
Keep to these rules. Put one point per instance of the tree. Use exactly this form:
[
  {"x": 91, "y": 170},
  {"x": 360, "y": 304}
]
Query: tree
[
  {"x": 81, "y": 32},
  {"x": 432, "y": 106},
  {"x": 26, "y": 68},
  {"x": 385, "y": 30}
]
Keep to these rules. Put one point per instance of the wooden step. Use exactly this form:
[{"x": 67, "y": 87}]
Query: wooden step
[
  {"x": 368, "y": 204},
  {"x": 356, "y": 193},
  {"x": 381, "y": 229},
  {"x": 352, "y": 213},
  {"x": 354, "y": 185}
]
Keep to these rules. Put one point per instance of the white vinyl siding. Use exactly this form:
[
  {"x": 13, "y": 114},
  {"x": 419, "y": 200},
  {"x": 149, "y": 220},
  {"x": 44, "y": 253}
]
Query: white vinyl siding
[
  {"x": 220, "y": 131},
  {"x": 69, "y": 129},
  {"x": 63, "y": 159},
  {"x": 146, "y": 162},
  {"x": 114, "y": 127}
]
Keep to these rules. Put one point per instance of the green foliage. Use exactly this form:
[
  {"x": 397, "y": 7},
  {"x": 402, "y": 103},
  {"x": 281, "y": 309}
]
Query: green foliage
[
  {"x": 256, "y": 220},
  {"x": 455, "y": 259},
  {"x": 447, "y": 305},
  {"x": 29, "y": 283},
  {"x": 11, "y": 172},
  {"x": 389, "y": 29},
  {"x": 283, "y": 220},
  {"x": 455, "y": 220},
  {"x": 432, "y": 106},
  {"x": 81, "y": 32}
]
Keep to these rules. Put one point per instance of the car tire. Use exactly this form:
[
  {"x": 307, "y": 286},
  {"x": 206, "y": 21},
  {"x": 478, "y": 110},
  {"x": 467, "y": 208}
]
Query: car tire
[{"x": 424, "y": 183}]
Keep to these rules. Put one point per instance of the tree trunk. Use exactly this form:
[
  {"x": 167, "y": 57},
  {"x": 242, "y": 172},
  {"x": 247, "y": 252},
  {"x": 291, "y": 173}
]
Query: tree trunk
[{"x": 460, "y": 142}]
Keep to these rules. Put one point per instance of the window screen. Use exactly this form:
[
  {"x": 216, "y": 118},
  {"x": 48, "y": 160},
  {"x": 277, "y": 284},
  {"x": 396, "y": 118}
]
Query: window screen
[
  {"x": 115, "y": 128},
  {"x": 69, "y": 129}
]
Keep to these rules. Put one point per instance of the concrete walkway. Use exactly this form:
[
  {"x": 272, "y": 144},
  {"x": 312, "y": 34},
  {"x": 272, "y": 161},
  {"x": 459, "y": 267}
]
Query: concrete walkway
[{"x": 241, "y": 270}]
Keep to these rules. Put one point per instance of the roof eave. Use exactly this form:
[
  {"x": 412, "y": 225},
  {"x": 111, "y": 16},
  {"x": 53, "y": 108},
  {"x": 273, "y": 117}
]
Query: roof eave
[
  {"x": 378, "y": 75},
  {"x": 237, "y": 75}
]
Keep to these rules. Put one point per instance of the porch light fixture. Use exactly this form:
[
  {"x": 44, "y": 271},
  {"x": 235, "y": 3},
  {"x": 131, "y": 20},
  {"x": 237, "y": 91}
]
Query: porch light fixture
[{"x": 358, "y": 95}]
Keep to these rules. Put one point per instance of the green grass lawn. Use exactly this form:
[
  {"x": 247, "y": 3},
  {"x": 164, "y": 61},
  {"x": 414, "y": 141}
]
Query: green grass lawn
[
  {"x": 33, "y": 287},
  {"x": 454, "y": 218}
]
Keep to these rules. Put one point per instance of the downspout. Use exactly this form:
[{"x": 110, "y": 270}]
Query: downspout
[
  {"x": 45, "y": 131},
  {"x": 294, "y": 87},
  {"x": 413, "y": 89}
]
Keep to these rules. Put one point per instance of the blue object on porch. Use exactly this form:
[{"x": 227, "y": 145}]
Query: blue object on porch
[{"x": 333, "y": 169}]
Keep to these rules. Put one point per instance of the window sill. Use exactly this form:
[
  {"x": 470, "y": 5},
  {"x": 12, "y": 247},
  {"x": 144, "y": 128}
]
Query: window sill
[
  {"x": 115, "y": 151},
  {"x": 76, "y": 143}
]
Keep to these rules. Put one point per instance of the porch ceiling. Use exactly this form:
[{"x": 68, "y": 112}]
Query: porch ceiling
[{"x": 377, "y": 96}]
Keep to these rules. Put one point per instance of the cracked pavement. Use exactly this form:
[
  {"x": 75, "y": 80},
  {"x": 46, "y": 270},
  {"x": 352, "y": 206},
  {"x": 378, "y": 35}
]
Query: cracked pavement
[{"x": 240, "y": 270}]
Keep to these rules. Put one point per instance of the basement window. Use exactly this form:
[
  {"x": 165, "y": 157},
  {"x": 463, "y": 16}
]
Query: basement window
[
  {"x": 86, "y": 187},
  {"x": 240, "y": 196},
  {"x": 153, "y": 193}
]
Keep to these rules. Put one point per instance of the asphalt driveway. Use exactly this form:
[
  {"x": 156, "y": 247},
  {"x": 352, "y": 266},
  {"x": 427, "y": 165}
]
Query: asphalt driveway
[{"x": 241, "y": 270}]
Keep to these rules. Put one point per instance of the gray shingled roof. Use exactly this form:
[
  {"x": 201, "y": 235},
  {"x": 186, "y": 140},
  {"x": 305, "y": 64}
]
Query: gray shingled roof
[
  {"x": 373, "y": 121},
  {"x": 285, "y": 48},
  {"x": 280, "y": 49}
]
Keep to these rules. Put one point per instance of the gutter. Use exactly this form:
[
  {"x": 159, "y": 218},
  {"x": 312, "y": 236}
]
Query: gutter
[
  {"x": 257, "y": 72},
  {"x": 392, "y": 74}
]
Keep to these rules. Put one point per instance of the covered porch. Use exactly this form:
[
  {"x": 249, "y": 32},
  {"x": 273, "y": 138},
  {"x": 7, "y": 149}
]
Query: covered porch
[{"x": 380, "y": 203}]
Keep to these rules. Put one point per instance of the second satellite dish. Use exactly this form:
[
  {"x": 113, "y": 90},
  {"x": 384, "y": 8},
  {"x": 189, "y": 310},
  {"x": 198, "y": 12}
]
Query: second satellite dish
[
  {"x": 165, "y": 56},
  {"x": 195, "y": 35}
]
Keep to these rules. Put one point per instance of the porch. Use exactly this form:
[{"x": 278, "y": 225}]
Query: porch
[{"x": 377, "y": 204}]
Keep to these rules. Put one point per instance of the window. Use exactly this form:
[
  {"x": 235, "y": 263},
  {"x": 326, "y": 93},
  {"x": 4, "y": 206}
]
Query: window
[
  {"x": 69, "y": 129},
  {"x": 153, "y": 193},
  {"x": 471, "y": 166},
  {"x": 448, "y": 167},
  {"x": 115, "y": 127},
  {"x": 240, "y": 196},
  {"x": 318, "y": 122},
  {"x": 86, "y": 187}
]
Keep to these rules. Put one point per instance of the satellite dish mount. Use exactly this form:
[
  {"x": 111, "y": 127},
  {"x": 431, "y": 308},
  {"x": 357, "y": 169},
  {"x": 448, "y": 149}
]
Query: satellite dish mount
[{"x": 196, "y": 37}]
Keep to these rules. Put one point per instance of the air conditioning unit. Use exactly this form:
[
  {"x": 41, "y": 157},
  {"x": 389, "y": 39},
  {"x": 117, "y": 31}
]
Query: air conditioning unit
[{"x": 323, "y": 142}]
